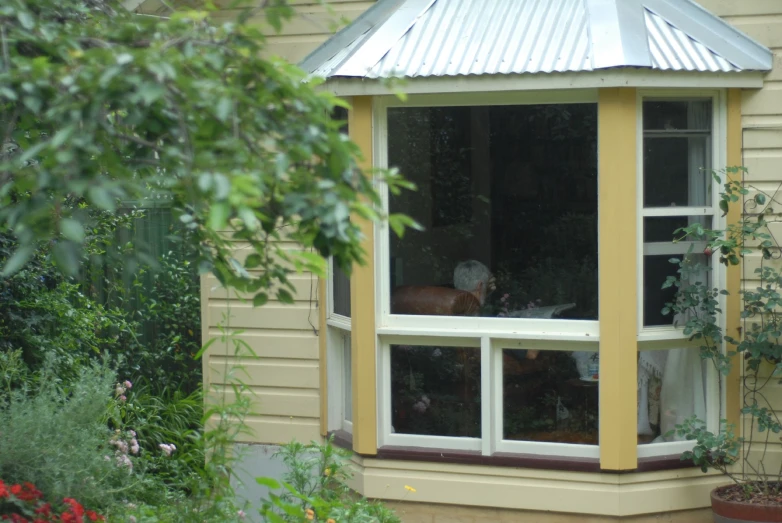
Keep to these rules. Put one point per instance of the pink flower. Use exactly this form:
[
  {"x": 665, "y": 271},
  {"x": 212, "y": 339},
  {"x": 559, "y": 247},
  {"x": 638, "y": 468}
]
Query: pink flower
[
  {"x": 123, "y": 398},
  {"x": 241, "y": 514},
  {"x": 168, "y": 449},
  {"x": 128, "y": 384}
]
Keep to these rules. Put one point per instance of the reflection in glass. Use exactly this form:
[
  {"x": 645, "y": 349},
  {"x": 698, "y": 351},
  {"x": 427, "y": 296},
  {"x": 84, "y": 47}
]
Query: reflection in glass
[
  {"x": 671, "y": 388},
  {"x": 436, "y": 391},
  {"x": 552, "y": 398},
  {"x": 341, "y": 292},
  {"x": 663, "y": 229},
  {"x": 657, "y": 269},
  {"x": 512, "y": 188},
  {"x": 677, "y": 153}
]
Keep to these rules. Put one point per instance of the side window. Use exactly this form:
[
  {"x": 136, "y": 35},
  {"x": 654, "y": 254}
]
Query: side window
[
  {"x": 677, "y": 192},
  {"x": 338, "y": 327}
]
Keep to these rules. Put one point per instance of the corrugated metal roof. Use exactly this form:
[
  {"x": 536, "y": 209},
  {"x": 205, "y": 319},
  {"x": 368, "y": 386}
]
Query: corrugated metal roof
[
  {"x": 425, "y": 38},
  {"x": 673, "y": 50}
]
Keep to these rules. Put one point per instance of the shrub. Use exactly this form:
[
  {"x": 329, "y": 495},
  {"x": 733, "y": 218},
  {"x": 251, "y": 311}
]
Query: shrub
[{"x": 58, "y": 439}]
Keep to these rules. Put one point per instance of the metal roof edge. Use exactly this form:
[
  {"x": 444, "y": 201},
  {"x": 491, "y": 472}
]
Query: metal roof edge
[
  {"x": 368, "y": 21},
  {"x": 383, "y": 38},
  {"x": 708, "y": 29},
  {"x": 603, "y": 78}
]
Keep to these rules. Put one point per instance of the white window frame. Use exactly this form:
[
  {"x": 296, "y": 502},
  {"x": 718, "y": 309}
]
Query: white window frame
[
  {"x": 670, "y": 337},
  {"x": 489, "y": 335},
  {"x": 338, "y": 329}
]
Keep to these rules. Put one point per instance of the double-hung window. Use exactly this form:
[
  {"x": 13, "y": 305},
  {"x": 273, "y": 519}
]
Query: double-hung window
[
  {"x": 487, "y": 322},
  {"x": 680, "y": 148},
  {"x": 338, "y": 326}
]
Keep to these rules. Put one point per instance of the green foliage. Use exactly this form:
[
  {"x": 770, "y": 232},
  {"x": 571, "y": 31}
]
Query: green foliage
[
  {"x": 44, "y": 315},
  {"x": 99, "y": 106},
  {"x": 761, "y": 334},
  {"x": 718, "y": 450},
  {"x": 315, "y": 489},
  {"x": 58, "y": 439}
]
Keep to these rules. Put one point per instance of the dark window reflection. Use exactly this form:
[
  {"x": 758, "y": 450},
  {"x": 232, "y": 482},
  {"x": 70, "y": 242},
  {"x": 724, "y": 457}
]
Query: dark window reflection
[
  {"x": 436, "y": 391},
  {"x": 513, "y": 188},
  {"x": 552, "y": 398}
]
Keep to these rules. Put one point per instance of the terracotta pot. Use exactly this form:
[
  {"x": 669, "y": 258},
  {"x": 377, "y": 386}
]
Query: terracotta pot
[{"x": 740, "y": 512}]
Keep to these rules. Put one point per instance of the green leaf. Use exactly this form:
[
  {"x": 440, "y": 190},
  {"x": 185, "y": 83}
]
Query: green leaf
[
  {"x": 260, "y": 299},
  {"x": 26, "y": 19},
  {"x": 284, "y": 296},
  {"x": 72, "y": 229},
  {"x": 253, "y": 260},
  {"x": 66, "y": 256},
  {"x": 268, "y": 482},
  {"x": 724, "y": 206},
  {"x": 224, "y": 108},
  {"x": 760, "y": 198},
  {"x": 17, "y": 260},
  {"x": 218, "y": 215},
  {"x": 102, "y": 198}
]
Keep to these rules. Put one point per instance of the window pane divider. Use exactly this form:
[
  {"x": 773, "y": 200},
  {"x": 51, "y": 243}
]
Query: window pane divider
[
  {"x": 648, "y": 212},
  {"x": 487, "y": 406}
]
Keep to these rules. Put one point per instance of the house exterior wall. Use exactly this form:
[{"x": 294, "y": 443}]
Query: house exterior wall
[
  {"x": 282, "y": 369},
  {"x": 761, "y": 119},
  {"x": 288, "y": 379}
]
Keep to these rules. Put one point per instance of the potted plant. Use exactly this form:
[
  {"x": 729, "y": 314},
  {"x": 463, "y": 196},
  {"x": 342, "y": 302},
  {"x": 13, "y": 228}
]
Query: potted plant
[{"x": 756, "y": 492}]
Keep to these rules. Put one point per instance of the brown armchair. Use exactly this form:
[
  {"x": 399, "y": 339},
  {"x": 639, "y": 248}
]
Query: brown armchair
[{"x": 433, "y": 301}]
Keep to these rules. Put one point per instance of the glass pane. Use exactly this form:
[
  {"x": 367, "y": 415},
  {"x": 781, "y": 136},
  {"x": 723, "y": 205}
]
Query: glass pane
[
  {"x": 341, "y": 292},
  {"x": 657, "y": 268},
  {"x": 677, "y": 153},
  {"x": 501, "y": 237},
  {"x": 677, "y": 115},
  {"x": 436, "y": 391},
  {"x": 663, "y": 229},
  {"x": 347, "y": 376},
  {"x": 671, "y": 388},
  {"x": 553, "y": 397}
]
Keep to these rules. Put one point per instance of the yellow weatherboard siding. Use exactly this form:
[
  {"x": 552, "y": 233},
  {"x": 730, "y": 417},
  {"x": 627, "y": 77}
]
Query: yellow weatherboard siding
[
  {"x": 281, "y": 366},
  {"x": 362, "y": 302},
  {"x": 617, "y": 146}
]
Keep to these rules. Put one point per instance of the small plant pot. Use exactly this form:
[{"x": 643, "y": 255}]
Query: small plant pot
[{"x": 726, "y": 511}]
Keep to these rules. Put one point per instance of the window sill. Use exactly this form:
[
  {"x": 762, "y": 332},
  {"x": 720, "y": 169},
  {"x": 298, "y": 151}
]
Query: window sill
[
  {"x": 530, "y": 461},
  {"x": 342, "y": 439}
]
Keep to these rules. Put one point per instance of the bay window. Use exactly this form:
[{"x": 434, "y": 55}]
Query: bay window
[{"x": 487, "y": 324}]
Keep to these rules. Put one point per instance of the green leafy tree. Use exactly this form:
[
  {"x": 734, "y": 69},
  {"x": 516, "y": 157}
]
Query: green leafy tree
[{"x": 99, "y": 106}]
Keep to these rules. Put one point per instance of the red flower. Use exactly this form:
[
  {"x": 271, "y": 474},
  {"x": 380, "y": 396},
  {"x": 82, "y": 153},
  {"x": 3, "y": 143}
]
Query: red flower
[
  {"x": 93, "y": 516},
  {"x": 44, "y": 509},
  {"x": 16, "y": 489},
  {"x": 76, "y": 508},
  {"x": 3, "y": 490},
  {"x": 29, "y": 493}
]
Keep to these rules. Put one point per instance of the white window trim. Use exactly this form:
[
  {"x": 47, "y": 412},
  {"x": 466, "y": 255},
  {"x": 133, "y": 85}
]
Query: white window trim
[
  {"x": 665, "y": 337},
  {"x": 491, "y": 440},
  {"x": 336, "y": 380}
]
